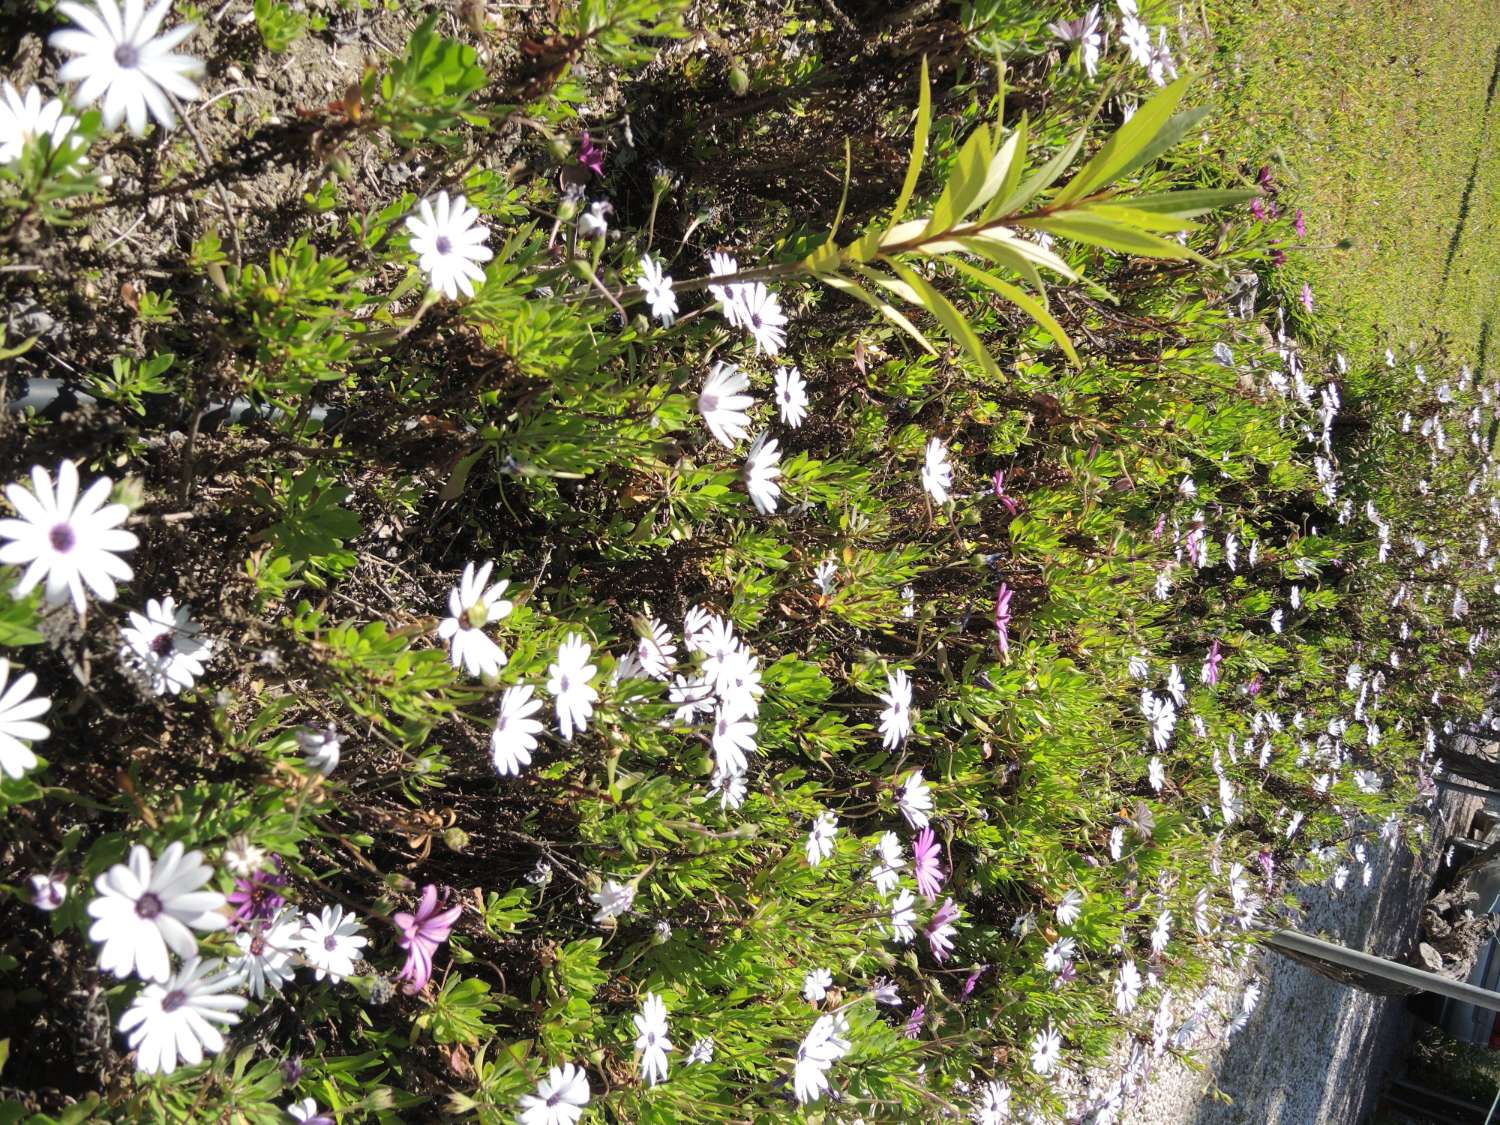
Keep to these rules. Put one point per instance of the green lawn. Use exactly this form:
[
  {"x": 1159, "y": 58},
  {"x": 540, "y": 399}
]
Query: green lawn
[{"x": 1380, "y": 118}]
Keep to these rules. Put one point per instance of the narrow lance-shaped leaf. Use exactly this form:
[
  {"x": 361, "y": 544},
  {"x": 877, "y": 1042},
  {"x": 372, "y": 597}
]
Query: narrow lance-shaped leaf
[
  {"x": 884, "y": 308},
  {"x": 1117, "y": 153},
  {"x": 1028, "y": 304},
  {"x": 951, "y": 319},
  {"x": 918, "y": 146}
]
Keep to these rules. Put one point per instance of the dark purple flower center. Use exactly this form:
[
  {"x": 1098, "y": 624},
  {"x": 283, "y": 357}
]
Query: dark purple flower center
[
  {"x": 755, "y": 320},
  {"x": 442, "y": 245},
  {"x": 62, "y": 538},
  {"x": 148, "y": 906},
  {"x": 330, "y": 943},
  {"x": 127, "y": 56},
  {"x": 563, "y": 685},
  {"x": 173, "y": 1000},
  {"x": 554, "y": 1097},
  {"x": 257, "y": 945},
  {"x": 161, "y": 645}
]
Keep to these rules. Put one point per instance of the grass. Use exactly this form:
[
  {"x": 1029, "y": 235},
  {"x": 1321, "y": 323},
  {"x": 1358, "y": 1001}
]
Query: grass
[{"x": 1379, "y": 119}]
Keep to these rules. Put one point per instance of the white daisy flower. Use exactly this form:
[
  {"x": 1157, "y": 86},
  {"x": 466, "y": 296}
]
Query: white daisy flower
[
  {"x": 1046, "y": 1050},
  {"x": 145, "y": 906},
  {"x": 594, "y": 223},
  {"x": 760, "y": 314},
  {"x": 820, "y": 838},
  {"x": 121, "y": 59},
  {"x": 613, "y": 900},
  {"x": 559, "y": 1098},
  {"x": 1161, "y": 932},
  {"x": 48, "y": 891},
  {"x": 243, "y": 858},
  {"x": 762, "y": 467},
  {"x": 449, "y": 244},
  {"x": 655, "y": 649},
  {"x": 903, "y": 917},
  {"x": 824, "y": 1045},
  {"x": 24, "y": 119},
  {"x": 731, "y": 788},
  {"x": 656, "y": 287},
  {"x": 815, "y": 985},
  {"x": 651, "y": 1039},
  {"x": 915, "y": 800},
  {"x": 723, "y": 403},
  {"x": 791, "y": 396},
  {"x": 729, "y": 296},
  {"x": 165, "y": 647},
  {"x": 733, "y": 740},
  {"x": 1070, "y": 908},
  {"x": 888, "y": 864},
  {"x": 1059, "y": 954},
  {"x": 175, "y": 1019},
  {"x": 471, "y": 606},
  {"x": 514, "y": 736},
  {"x": 320, "y": 748},
  {"x": 1127, "y": 988},
  {"x": 895, "y": 720},
  {"x": 937, "y": 472},
  {"x": 702, "y": 1050},
  {"x": 19, "y": 710},
  {"x": 307, "y": 1112},
  {"x": 691, "y": 696},
  {"x": 568, "y": 683},
  {"x": 994, "y": 1104},
  {"x": 69, "y": 540},
  {"x": 266, "y": 950},
  {"x": 331, "y": 942},
  {"x": 823, "y": 577}
]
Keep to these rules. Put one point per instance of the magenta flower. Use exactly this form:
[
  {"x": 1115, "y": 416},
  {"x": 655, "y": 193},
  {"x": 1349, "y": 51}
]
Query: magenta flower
[
  {"x": 1210, "y": 673},
  {"x": 929, "y": 871},
  {"x": 1008, "y": 501},
  {"x": 1307, "y": 301},
  {"x": 1002, "y": 619},
  {"x": 257, "y": 896},
  {"x": 914, "y": 1022},
  {"x": 972, "y": 981},
  {"x": 1263, "y": 177},
  {"x": 1161, "y": 526},
  {"x": 1253, "y": 687},
  {"x": 421, "y": 934},
  {"x": 590, "y": 155},
  {"x": 1258, "y": 209},
  {"x": 1300, "y": 224},
  {"x": 1195, "y": 545},
  {"x": 941, "y": 929}
]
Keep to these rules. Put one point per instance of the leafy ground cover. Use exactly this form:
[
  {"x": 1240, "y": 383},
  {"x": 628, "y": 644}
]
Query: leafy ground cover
[
  {"x": 1381, "y": 118},
  {"x": 529, "y": 666}
]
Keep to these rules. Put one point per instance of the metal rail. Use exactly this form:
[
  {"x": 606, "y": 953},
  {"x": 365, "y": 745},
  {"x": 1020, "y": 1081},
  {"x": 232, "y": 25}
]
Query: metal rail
[{"x": 1294, "y": 941}]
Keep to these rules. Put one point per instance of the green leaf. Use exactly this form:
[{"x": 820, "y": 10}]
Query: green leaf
[
  {"x": 918, "y": 146},
  {"x": 953, "y": 320},
  {"x": 17, "y": 619},
  {"x": 1189, "y": 204},
  {"x": 1023, "y": 300},
  {"x": 1005, "y": 240},
  {"x": 1083, "y": 227},
  {"x": 965, "y": 181},
  {"x": 1141, "y": 220},
  {"x": 1043, "y": 178},
  {"x": 1005, "y": 170},
  {"x": 884, "y": 308},
  {"x": 1120, "y": 152}
]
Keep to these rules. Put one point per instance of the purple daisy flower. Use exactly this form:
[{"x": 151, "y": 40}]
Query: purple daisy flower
[
  {"x": 929, "y": 871},
  {"x": 258, "y": 896},
  {"x": 421, "y": 934}
]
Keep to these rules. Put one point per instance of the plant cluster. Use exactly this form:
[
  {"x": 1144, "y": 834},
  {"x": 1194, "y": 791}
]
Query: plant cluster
[{"x": 526, "y": 629}]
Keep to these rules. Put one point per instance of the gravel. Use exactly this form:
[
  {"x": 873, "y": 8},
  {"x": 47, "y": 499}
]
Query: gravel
[{"x": 1315, "y": 1050}]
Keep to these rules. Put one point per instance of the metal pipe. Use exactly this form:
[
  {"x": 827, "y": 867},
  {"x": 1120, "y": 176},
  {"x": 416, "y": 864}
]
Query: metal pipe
[{"x": 1368, "y": 963}]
